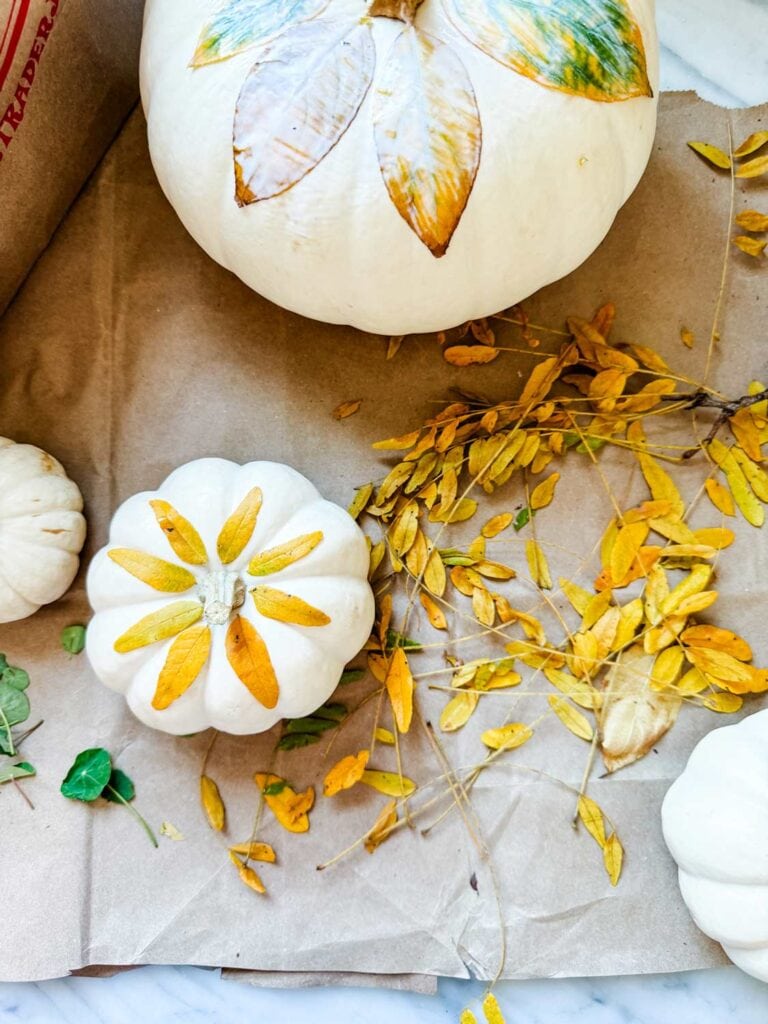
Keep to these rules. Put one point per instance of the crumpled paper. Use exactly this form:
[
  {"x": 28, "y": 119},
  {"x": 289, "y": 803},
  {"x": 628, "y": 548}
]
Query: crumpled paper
[{"x": 129, "y": 352}]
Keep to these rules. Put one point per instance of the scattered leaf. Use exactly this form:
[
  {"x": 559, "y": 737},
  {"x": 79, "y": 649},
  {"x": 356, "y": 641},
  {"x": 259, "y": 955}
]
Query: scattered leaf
[
  {"x": 538, "y": 565},
  {"x": 385, "y": 822},
  {"x": 171, "y": 832},
  {"x": 753, "y": 168},
  {"x": 751, "y": 144},
  {"x": 345, "y": 773},
  {"x": 507, "y": 737},
  {"x": 470, "y": 355},
  {"x": 388, "y": 783},
  {"x": 751, "y": 220},
  {"x": 712, "y": 154},
  {"x": 399, "y": 684},
  {"x": 73, "y": 639},
  {"x": 572, "y": 719},
  {"x": 88, "y": 776},
  {"x": 749, "y": 245},
  {"x": 212, "y": 803},
  {"x": 592, "y": 817},
  {"x": 347, "y": 409}
]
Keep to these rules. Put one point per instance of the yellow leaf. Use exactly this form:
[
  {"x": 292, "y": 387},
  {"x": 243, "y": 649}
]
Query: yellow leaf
[
  {"x": 398, "y": 443},
  {"x": 712, "y": 154},
  {"x": 248, "y": 655},
  {"x": 345, "y": 409},
  {"x": 155, "y": 572},
  {"x": 572, "y": 719},
  {"x": 507, "y": 737},
  {"x": 159, "y": 625},
  {"x": 592, "y": 816},
  {"x": 751, "y": 144},
  {"x": 613, "y": 856},
  {"x": 186, "y": 657},
  {"x": 181, "y": 534},
  {"x": 275, "y": 604},
  {"x": 434, "y": 575},
  {"x": 538, "y": 565},
  {"x": 540, "y": 382},
  {"x": 476, "y": 549},
  {"x": 492, "y": 1010},
  {"x": 666, "y": 668},
  {"x": 751, "y": 220},
  {"x": 668, "y": 601},
  {"x": 278, "y": 558},
  {"x": 753, "y": 168},
  {"x": 649, "y": 358},
  {"x": 467, "y": 1017},
  {"x": 470, "y": 355},
  {"x": 239, "y": 527},
  {"x": 625, "y": 550},
  {"x": 692, "y": 682},
  {"x": 399, "y": 684},
  {"x": 743, "y": 495},
  {"x": 631, "y": 617},
  {"x": 393, "y": 345},
  {"x": 728, "y": 672},
  {"x": 494, "y": 570},
  {"x": 404, "y": 529},
  {"x": 388, "y": 783},
  {"x": 580, "y": 691},
  {"x": 578, "y": 596},
  {"x": 360, "y": 500},
  {"x": 428, "y": 151},
  {"x": 725, "y": 703},
  {"x": 607, "y": 542},
  {"x": 687, "y": 337},
  {"x": 458, "y": 711},
  {"x": 483, "y": 607},
  {"x": 290, "y": 808},
  {"x": 377, "y": 555},
  {"x": 720, "y": 497},
  {"x": 345, "y": 773},
  {"x": 384, "y": 736},
  {"x": 434, "y": 612},
  {"x": 749, "y": 245},
  {"x": 496, "y": 524},
  {"x": 544, "y": 492},
  {"x": 385, "y": 821},
  {"x": 661, "y": 484},
  {"x": 247, "y": 875},
  {"x": 212, "y": 803},
  {"x": 756, "y": 477},
  {"x": 255, "y": 851},
  {"x": 717, "y": 639}
]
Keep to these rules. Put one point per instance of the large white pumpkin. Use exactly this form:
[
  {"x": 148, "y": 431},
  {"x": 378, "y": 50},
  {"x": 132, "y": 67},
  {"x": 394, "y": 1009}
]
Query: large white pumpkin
[
  {"x": 399, "y": 177},
  {"x": 42, "y": 529},
  {"x": 231, "y": 597},
  {"x": 715, "y": 820}
]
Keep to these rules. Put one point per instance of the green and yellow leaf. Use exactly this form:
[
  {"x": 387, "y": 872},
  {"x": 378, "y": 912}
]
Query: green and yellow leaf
[
  {"x": 155, "y": 572},
  {"x": 241, "y": 24},
  {"x": 181, "y": 534},
  {"x": 278, "y": 558},
  {"x": 159, "y": 625},
  {"x": 388, "y": 783}
]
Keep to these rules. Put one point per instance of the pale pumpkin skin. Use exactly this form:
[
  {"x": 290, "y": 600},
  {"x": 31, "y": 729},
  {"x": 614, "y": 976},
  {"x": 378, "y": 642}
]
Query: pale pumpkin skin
[
  {"x": 42, "y": 530},
  {"x": 554, "y": 171},
  {"x": 308, "y": 661},
  {"x": 715, "y": 821}
]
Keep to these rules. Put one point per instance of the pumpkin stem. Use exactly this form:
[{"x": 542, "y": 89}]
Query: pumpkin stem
[
  {"x": 221, "y": 592},
  {"x": 401, "y": 10}
]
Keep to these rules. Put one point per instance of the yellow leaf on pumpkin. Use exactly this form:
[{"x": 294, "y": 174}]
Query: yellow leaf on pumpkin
[
  {"x": 248, "y": 655},
  {"x": 155, "y": 572},
  {"x": 238, "y": 529},
  {"x": 282, "y": 607},
  {"x": 278, "y": 558},
  {"x": 159, "y": 625},
  {"x": 186, "y": 657},
  {"x": 181, "y": 534}
]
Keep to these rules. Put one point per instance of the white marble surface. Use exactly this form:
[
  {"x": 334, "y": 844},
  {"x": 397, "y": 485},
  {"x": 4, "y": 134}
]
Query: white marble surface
[{"x": 720, "y": 49}]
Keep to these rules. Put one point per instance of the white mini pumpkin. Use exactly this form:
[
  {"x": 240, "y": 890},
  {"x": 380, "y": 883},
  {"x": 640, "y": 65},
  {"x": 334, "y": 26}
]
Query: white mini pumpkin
[
  {"x": 715, "y": 820},
  {"x": 396, "y": 166},
  {"x": 232, "y": 597},
  {"x": 42, "y": 530}
]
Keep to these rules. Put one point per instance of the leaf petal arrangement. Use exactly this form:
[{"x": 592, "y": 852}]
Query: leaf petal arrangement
[
  {"x": 306, "y": 88},
  {"x": 246, "y": 650}
]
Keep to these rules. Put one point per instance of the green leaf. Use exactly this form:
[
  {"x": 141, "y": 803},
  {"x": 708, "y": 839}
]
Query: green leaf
[
  {"x": 275, "y": 788},
  {"x": 588, "y": 48},
  {"x": 452, "y": 557},
  {"x": 395, "y": 639},
  {"x": 309, "y": 725},
  {"x": 351, "y": 675},
  {"x": 88, "y": 776},
  {"x": 3, "y": 663},
  {"x": 15, "y": 677},
  {"x": 119, "y": 785},
  {"x": 523, "y": 517},
  {"x": 14, "y": 703},
  {"x": 241, "y": 24},
  {"x": 73, "y": 639},
  {"x": 332, "y": 712},
  {"x": 294, "y": 740},
  {"x": 16, "y": 771},
  {"x": 591, "y": 444}
]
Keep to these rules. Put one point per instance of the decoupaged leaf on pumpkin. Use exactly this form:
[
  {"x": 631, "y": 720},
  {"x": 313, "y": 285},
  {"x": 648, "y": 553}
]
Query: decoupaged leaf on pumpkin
[
  {"x": 186, "y": 657},
  {"x": 241, "y": 24},
  {"x": 166, "y": 577},
  {"x": 248, "y": 655},
  {"x": 181, "y": 534},
  {"x": 159, "y": 625},
  {"x": 428, "y": 135},
  {"x": 276, "y": 604},
  {"x": 297, "y": 102},
  {"x": 239, "y": 527},
  {"x": 588, "y": 48}
]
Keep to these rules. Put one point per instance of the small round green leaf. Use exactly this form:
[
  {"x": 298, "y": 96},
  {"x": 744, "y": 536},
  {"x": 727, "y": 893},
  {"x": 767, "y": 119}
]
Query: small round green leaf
[
  {"x": 88, "y": 775},
  {"x": 73, "y": 639},
  {"x": 15, "y": 677},
  {"x": 120, "y": 784},
  {"x": 13, "y": 702}
]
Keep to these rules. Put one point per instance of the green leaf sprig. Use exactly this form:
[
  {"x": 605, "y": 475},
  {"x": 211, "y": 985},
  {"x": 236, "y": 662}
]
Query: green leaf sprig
[{"x": 92, "y": 776}]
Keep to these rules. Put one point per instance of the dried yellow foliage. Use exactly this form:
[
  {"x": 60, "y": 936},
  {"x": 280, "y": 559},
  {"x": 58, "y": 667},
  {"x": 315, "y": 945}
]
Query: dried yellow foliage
[
  {"x": 399, "y": 684},
  {"x": 751, "y": 144},
  {"x": 400, "y": 443},
  {"x": 247, "y": 875},
  {"x": 184, "y": 661},
  {"x": 289, "y": 807},
  {"x": 155, "y": 572},
  {"x": 458, "y": 711},
  {"x": 492, "y": 1010},
  {"x": 751, "y": 220},
  {"x": 712, "y": 154},
  {"x": 578, "y": 596},
  {"x": 687, "y": 337},
  {"x": 212, "y": 803},
  {"x": 613, "y": 856},
  {"x": 346, "y": 409},
  {"x": 507, "y": 737},
  {"x": 720, "y": 497},
  {"x": 753, "y": 168},
  {"x": 497, "y": 524},
  {"x": 238, "y": 529},
  {"x": 747, "y": 243},
  {"x": 543, "y": 493},
  {"x": 181, "y": 534},
  {"x": 743, "y": 494},
  {"x": 572, "y": 719},
  {"x": 345, "y": 773},
  {"x": 470, "y": 355},
  {"x": 434, "y": 612},
  {"x": 278, "y": 558},
  {"x": 626, "y": 548},
  {"x": 382, "y": 827},
  {"x": 249, "y": 657},
  {"x": 360, "y": 500},
  {"x": 538, "y": 565},
  {"x": 384, "y": 736},
  {"x": 388, "y": 783},
  {"x": 276, "y": 604},
  {"x": 255, "y": 851},
  {"x": 592, "y": 817},
  {"x": 159, "y": 625}
]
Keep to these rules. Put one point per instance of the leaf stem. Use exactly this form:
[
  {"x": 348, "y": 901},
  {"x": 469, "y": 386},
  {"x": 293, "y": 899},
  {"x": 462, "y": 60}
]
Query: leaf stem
[{"x": 142, "y": 821}]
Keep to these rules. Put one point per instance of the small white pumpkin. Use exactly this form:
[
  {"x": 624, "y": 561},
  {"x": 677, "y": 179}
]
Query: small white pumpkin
[
  {"x": 399, "y": 165},
  {"x": 231, "y": 597},
  {"x": 715, "y": 821},
  {"x": 42, "y": 530}
]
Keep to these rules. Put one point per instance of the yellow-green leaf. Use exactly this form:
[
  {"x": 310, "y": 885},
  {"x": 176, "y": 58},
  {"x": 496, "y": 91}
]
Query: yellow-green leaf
[
  {"x": 572, "y": 719},
  {"x": 238, "y": 529},
  {"x": 278, "y": 558},
  {"x": 458, "y": 711},
  {"x": 212, "y": 803},
  {"x": 720, "y": 497},
  {"x": 743, "y": 495},
  {"x": 360, "y": 500},
  {"x": 159, "y": 625},
  {"x": 592, "y": 816},
  {"x": 427, "y": 131},
  {"x": 434, "y": 612},
  {"x": 384, "y": 736},
  {"x": 388, "y": 783},
  {"x": 712, "y": 154},
  {"x": 248, "y": 655},
  {"x": 492, "y": 1010},
  {"x": 507, "y": 737},
  {"x": 155, "y": 572},
  {"x": 538, "y": 565},
  {"x": 241, "y": 24},
  {"x": 255, "y": 851},
  {"x": 181, "y": 534},
  {"x": 186, "y": 657},
  {"x": 275, "y": 604}
]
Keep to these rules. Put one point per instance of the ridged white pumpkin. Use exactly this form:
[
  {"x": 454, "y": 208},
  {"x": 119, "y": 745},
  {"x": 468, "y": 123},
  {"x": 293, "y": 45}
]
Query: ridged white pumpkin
[
  {"x": 232, "y": 597},
  {"x": 42, "y": 530},
  {"x": 715, "y": 820},
  {"x": 362, "y": 144}
]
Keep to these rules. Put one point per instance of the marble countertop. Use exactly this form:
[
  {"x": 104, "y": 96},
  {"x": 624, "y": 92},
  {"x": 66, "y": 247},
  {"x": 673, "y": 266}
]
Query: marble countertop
[{"x": 719, "y": 50}]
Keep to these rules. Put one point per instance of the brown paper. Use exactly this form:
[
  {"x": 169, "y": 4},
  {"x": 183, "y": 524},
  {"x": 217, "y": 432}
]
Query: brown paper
[
  {"x": 129, "y": 352},
  {"x": 67, "y": 82}
]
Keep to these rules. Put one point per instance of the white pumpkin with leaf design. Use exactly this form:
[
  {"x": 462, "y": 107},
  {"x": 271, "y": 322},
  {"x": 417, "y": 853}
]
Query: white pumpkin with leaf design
[
  {"x": 231, "y": 597},
  {"x": 42, "y": 529},
  {"x": 402, "y": 165}
]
